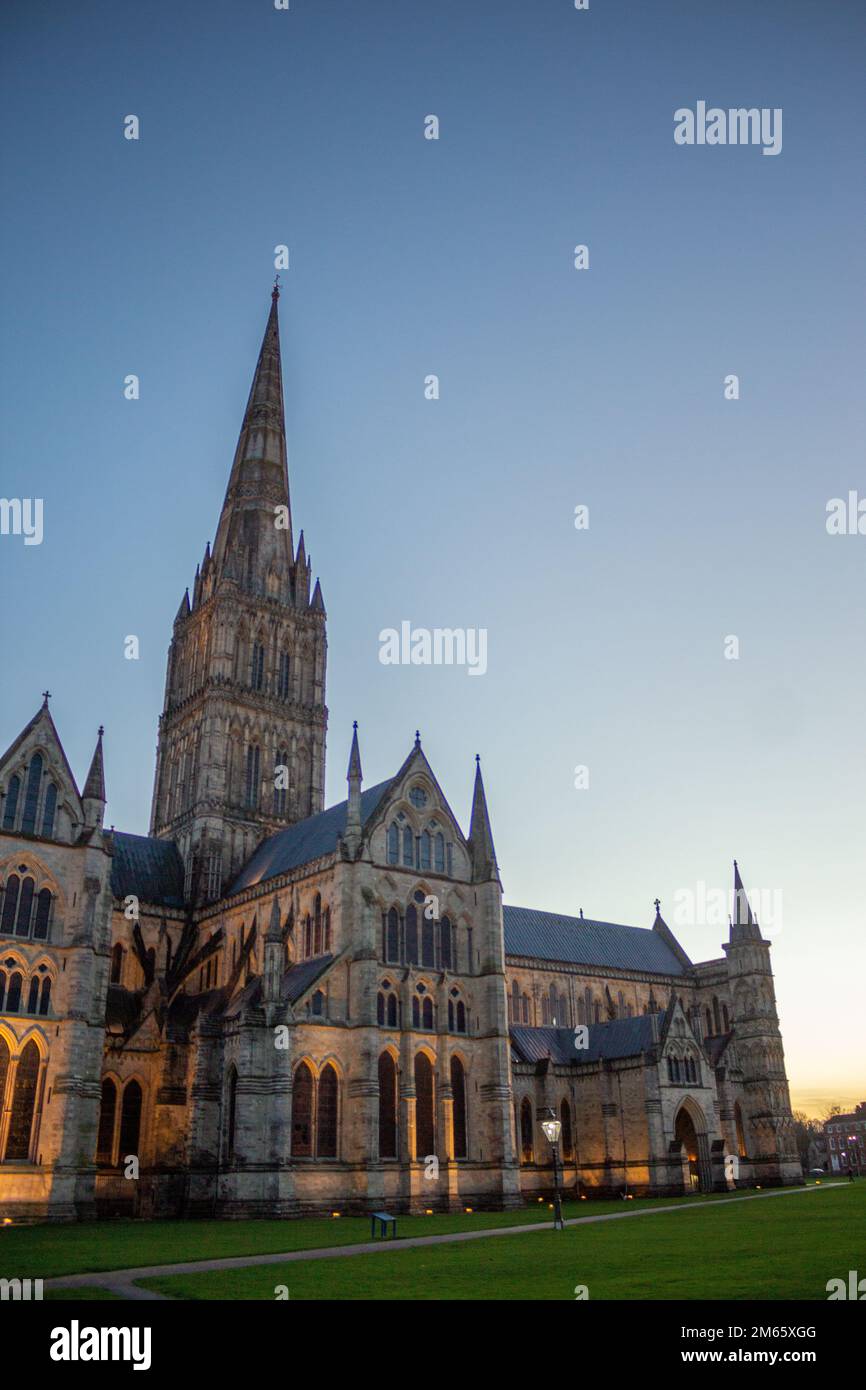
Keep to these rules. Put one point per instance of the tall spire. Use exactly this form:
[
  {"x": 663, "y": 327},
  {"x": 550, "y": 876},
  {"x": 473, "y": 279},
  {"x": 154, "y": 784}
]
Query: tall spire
[
  {"x": 743, "y": 925},
  {"x": 94, "y": 787},
  {"x": 251, "y": 539},
  {"x": 353, "y": 808},
  {"x": 484, "y": 864}
]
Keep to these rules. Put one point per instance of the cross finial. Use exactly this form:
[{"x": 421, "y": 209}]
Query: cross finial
[
  {"x": 100, "y": 731},
  {"x": 275, "y": 292},
  {"x": 46, "y": 696},
  {"x": 417, "y": 738},
  {"x": 657, "y": 907}
]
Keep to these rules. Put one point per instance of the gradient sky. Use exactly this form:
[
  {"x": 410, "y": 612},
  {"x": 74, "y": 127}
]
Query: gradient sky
[{"x": 558, "y": 387}]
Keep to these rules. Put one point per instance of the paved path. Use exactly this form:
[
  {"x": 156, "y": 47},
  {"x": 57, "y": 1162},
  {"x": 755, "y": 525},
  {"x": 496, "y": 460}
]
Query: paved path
[{"x": 121, "y": 1281}]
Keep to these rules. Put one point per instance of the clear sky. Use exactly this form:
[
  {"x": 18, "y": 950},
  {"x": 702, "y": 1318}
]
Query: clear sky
[{"x": 604, "y": 387}]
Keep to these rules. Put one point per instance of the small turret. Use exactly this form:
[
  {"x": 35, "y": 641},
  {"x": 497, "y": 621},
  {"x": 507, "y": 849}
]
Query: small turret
[
  {"x": 484, "y": 866},
  {"x": 272, "y": 972},
  {"x": 93, "y": 796},
  {"x": 354, "y": 777}
]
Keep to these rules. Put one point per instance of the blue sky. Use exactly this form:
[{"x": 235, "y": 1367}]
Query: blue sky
[{"x": 558, "y": 388}]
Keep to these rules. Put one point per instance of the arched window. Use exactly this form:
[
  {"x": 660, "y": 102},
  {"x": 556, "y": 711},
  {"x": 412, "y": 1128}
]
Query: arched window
[
  {"x": 393, "y": 843},
  {"x": 49, "y": 811},
  {"x": 445, "y": 935},
  {"x": 387, "y": 1106},
  {"x": 33, "y": 996},
  {"x": 253, "y": 777},
  {"x": 428, "y": 942},
  {"x": 416, "y": 1012},
  {"x": 427, "y": 1014},
  {"x": 302, "y": 1112},
  {"x": 116, "y": 963},
  {"x": 392, "y": 1011},
  {"x": 308, "y": 936},
  {"x": 327, "y": 928},
  {"x": 326, "y": 1137},
  {"x": 130, "y": 1120},
  {"x": 450, "y": 1015},
  {"x": 257, "y": 672},
  {"x": 283, "y": 677},
  {"x": 461, "y": 1016},
  {"x": 526, "y": 1130},
  {"x": 231, "y": 1111},
  {"x": 13, "y": 997},
  {"x": 317, "y": 918},
  {"x": 408, "y": 846},
  {"x": 525, "y": 1004},
  {"x": 425, "y": 1129},
  {"x": 107, "y": 1111},
  {"x": 31, "y": 796},
  {"x": 18, "y": 1143},
  {"x": 567, "y": 1135},
  {"x": 440, "y": 853},
  {"x": 380, "y": 1009},
  {"x": 25, "y": 906},
  {"x": 425, "y": 850},
  {"x": 458, "y": 1091},
  {"x": 317, "y": 1004},
  {"x": 11, "y": 807},
  {"x": 43, "y": 914},
  {"x": 411, "y": 935},
  {"x": 393, "y": 935},
  {"x": 45, "y": 996}
]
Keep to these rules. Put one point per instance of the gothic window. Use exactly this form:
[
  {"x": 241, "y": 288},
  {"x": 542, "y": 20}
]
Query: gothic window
[
  {"x": 11, "y": 806},
  {"x": 130, "y": 1120},
  {"x": 427, "y": 1014},
  {"x": 458, "y": 1090},
  {"x": 20, "y": 1135},
  {"x": 425, "y": 1129},
  {"x": 567, "y": 1136},
  {"x": 428, "y": 942},
  {"x": 33, "y": 996},
  {"x": 418, "y": 797},
  {"x": 425, "y": 850},
  {"x": 392, "y": 1011},
  {"x": 387, "y": 1106},
  {"x": 2, "y": 996},
  {"x": 13, "y": 997},
  {"x": 408, "y": 846},
  {"x": 317, "y": 936},
  {"x": 461, "y": 1016},
  {"x": 116, "y": 964},
  {"x": 326, "y": 1137},
  {"x": 525, "y": 1002},
  {"x": 440, "y": 853},
  {"x": 308, "y": 936},
  {"x": 302, "y": 1112},
  {"x": 107, "y": 1111},
  {"x": 411, "y": 935},
  {"x": 257, "y": 673},
  {"x": 393, "y": 843},
  {"x": 45, "y": 996},
  {"x": 231, "y": 1115},
  {"x": 392, "y": 943},
  {"x": 48, "y": 811},
  {"x": 214, "y": 875},
  {"x": 25, "y": 904},
  {"x": 526, "y": 1130},
  {"x": 253, "y": 777},
  {"x": 450, "y": 1015},
  {"x": 10, "y": 904},
  {"x": 445, "y": 935},
  {"x": 380, "y": 1009},
  {"x": 31, "y": 796},
  {"x": 281, "y": 791},
  {"x": 283, "y": 677},
  {"x": 416, "y": 1012},
  {"x": 327, "y": 928},
  {"x": 43, "y": 914}
]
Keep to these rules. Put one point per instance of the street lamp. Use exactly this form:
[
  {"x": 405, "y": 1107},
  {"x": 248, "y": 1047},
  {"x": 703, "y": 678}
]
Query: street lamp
[{"x": 553, "y": 1128}]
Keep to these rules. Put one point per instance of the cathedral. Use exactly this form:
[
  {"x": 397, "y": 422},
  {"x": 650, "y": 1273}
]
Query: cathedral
[{"x": 267, "y": 1007}]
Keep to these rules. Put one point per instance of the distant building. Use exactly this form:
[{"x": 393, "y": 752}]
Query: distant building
[
  {"x": 846, "y": 1141},
  {"x": 266, "y": 1007}
]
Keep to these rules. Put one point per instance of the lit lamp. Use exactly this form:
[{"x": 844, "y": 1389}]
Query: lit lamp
[{"x": 552, "y": 1129}]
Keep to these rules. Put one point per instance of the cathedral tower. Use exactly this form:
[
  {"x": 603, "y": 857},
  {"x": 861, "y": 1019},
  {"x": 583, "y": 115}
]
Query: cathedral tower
[{"x": 241, "y": 749}]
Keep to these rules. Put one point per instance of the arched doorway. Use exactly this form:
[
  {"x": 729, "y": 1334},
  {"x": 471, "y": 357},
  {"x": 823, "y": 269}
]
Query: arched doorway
[{"x": 690, "y": 1132}]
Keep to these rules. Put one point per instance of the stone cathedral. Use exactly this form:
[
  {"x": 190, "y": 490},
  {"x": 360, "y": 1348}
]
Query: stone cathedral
[{"x": 266, "y": 1007}]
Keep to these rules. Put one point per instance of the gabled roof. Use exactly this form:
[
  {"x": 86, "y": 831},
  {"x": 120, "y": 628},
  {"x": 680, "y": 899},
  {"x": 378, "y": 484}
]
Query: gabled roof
[
  {"x": 301, "y": 843},
  {"x": 151, "y": 869},
  {"x": 51, "y": 736},
  {"x": 620, "y": 1037},
  {"x": 580, "y": 941},
  {"x": 298, "y": 980}
]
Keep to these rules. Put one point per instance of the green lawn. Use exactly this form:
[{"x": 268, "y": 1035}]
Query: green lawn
[
  {"x": 46, "y": 1251},
  {"x": 784, "y": 1247}
]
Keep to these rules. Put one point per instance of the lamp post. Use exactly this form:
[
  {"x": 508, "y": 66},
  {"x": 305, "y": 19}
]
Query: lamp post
[{"x": 553, "y": 1128}]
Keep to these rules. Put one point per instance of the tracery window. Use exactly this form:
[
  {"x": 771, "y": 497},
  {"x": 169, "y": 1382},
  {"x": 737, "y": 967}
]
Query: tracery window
[
  {"x": 440, "y": 853},
  {"x": 408, "y": 846},
  {"x": 257, "y": 672},
  {"x": 19, "y": 1139},
  {"x": 326, "y": 1137},
  {"x": 387, "y": 1106},
  {"x": 130, "y": 1120},
  {"x": 302, "y": 1112},
  {"x": 253, "y": 776},
  {"x": 31, "y": 796},
  {"x": 10, "y": 810},
  {"x": 393, "y": 843},
  {"x": 425, "y": 1129},
  {"x": 458, "y": 1091}
]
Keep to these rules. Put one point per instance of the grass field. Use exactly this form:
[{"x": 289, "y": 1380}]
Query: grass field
[
  {"x": 784, "y": 1247},
  {"x": 46, "y": 1251}
]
